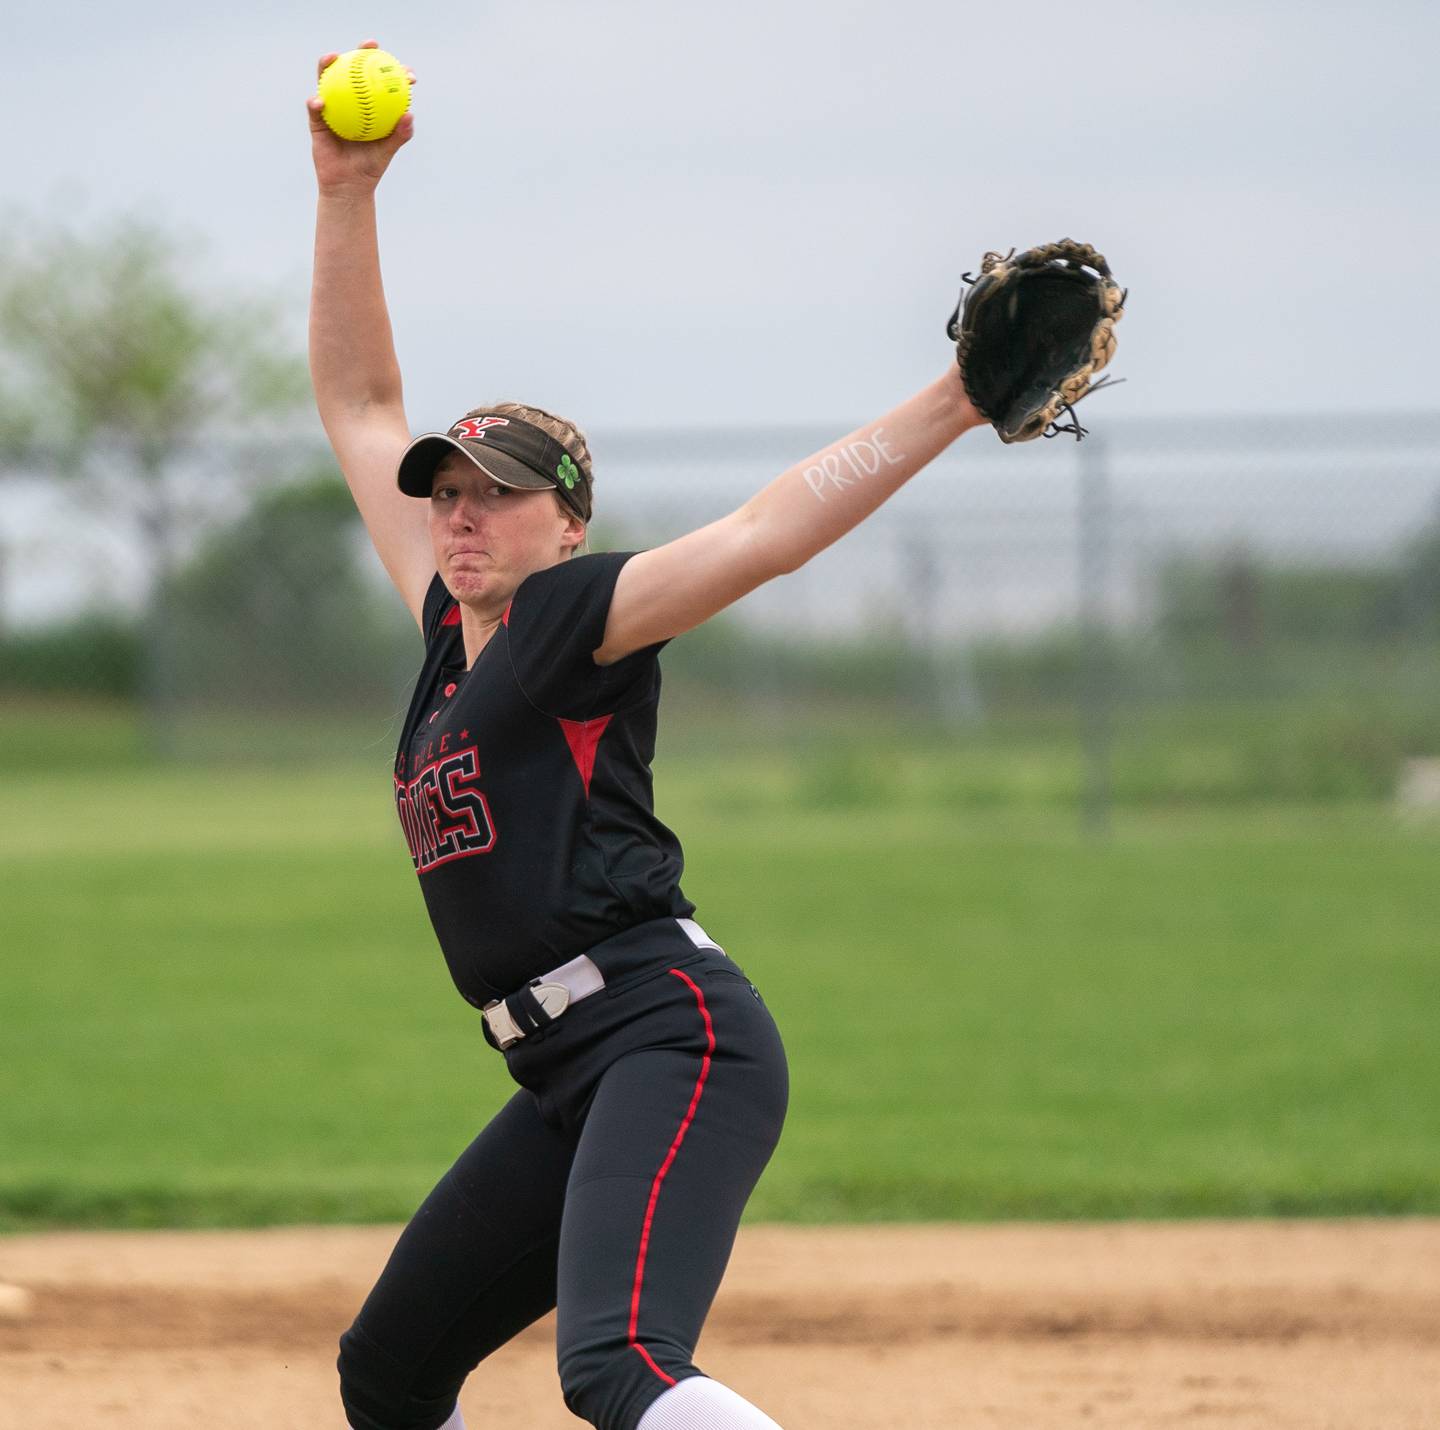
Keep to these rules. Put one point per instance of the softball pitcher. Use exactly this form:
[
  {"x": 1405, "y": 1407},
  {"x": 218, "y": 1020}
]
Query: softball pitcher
[{"x": 651, "y": 1082}]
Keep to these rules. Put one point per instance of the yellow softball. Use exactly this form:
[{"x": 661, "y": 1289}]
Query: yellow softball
[{"x": 365, "y": 93}]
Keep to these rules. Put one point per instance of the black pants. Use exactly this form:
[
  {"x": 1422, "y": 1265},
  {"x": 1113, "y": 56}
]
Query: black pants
[{"x": 610, "y": 1185}]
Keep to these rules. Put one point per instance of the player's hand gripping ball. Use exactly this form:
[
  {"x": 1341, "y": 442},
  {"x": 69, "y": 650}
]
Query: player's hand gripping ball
[{"x": 365, "y": 93}]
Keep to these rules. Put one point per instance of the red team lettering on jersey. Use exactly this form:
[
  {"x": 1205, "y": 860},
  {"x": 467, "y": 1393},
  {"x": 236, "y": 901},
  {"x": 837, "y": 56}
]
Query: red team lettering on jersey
[{"x": 442, "y": 813}]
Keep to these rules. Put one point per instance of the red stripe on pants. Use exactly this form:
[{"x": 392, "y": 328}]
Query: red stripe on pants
[{"x": 664, "y": 1168}]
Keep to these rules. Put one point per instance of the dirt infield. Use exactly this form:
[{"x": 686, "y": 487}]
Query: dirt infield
[{"x": 1234, "y": 1324}]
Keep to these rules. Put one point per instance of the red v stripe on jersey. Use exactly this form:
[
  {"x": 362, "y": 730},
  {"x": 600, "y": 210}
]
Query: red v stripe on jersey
[
  {"x": 660, "y": 1175},
  {"x": 452, "y": 616},
  {"x": 583, "y": 737}
]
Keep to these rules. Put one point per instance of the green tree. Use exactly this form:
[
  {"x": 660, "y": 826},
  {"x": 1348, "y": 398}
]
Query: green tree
[
  {"x": 119, "y": 360},
  {"x": 272, "y": 611}
]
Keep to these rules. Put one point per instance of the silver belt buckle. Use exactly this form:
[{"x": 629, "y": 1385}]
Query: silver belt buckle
[
  {"x": 554, "y": 998},
  {"x": 501, "y": 1024}
]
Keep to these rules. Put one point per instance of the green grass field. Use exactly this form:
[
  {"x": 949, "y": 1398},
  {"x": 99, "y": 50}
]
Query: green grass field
[{"x": 220, "y": 1001}]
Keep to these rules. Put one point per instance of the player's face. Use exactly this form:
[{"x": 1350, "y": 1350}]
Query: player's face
[{"x": 489, "y": 538}]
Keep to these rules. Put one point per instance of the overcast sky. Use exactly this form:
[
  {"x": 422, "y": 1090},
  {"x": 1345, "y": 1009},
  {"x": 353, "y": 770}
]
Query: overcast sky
[{"x": 642, "y": 213}]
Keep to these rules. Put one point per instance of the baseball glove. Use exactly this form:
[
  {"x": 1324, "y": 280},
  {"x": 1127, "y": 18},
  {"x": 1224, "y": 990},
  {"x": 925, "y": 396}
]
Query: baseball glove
[{"x": 1031, "y": 332}]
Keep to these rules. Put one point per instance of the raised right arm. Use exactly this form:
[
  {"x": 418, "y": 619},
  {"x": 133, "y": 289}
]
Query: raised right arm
[{"x": 353, "y": 368}]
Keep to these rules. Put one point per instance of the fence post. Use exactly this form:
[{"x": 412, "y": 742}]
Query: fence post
[
  {"x": 943, "y": 687},
  {"x": 160, "y": 692},
  {"x": 1096, "y": 681}
]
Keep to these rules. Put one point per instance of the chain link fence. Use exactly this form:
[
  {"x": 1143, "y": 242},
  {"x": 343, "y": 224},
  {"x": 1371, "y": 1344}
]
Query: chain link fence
[{"x": 1202, "y": 609}]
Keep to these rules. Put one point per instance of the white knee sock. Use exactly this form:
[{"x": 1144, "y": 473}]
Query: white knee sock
[
  {"x": 455, "y": 1422},
  {"x": 700, "y": 1403}
]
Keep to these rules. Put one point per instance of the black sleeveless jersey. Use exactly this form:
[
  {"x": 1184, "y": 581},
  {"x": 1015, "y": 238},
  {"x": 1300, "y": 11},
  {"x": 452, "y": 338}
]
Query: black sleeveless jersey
[{"x": 523, "y": 784}]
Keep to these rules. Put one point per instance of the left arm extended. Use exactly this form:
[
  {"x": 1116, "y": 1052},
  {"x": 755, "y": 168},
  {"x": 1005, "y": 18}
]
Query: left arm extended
[{"x": 675, "y": 587}]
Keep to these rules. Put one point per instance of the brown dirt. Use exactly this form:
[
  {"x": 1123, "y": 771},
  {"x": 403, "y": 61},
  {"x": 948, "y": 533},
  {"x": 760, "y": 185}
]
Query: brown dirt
[{"x": 1196, "y": 1324}]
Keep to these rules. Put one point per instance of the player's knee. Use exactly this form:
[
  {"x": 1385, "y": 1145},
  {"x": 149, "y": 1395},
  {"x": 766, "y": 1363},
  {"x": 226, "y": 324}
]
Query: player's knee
[
  {"x": 611, "y": 1384},
  {"x": 380, "y": 1393}
]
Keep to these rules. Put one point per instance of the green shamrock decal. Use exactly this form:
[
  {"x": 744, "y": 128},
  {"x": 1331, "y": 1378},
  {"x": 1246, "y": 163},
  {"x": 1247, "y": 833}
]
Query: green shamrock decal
[{"x": 567, "y": 472}]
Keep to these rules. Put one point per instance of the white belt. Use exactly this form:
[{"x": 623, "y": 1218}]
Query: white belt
[{"x": 557, "y": 990}]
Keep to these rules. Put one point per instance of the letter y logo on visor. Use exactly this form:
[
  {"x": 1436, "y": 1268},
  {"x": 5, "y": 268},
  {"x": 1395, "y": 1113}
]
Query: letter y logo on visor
[{"x": 474, "y": 427}]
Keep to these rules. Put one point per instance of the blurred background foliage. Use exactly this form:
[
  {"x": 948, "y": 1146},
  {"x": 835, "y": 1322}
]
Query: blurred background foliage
[
  {"x": 1256, "y": 681},
  {"x": 158, "y": 429}
]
